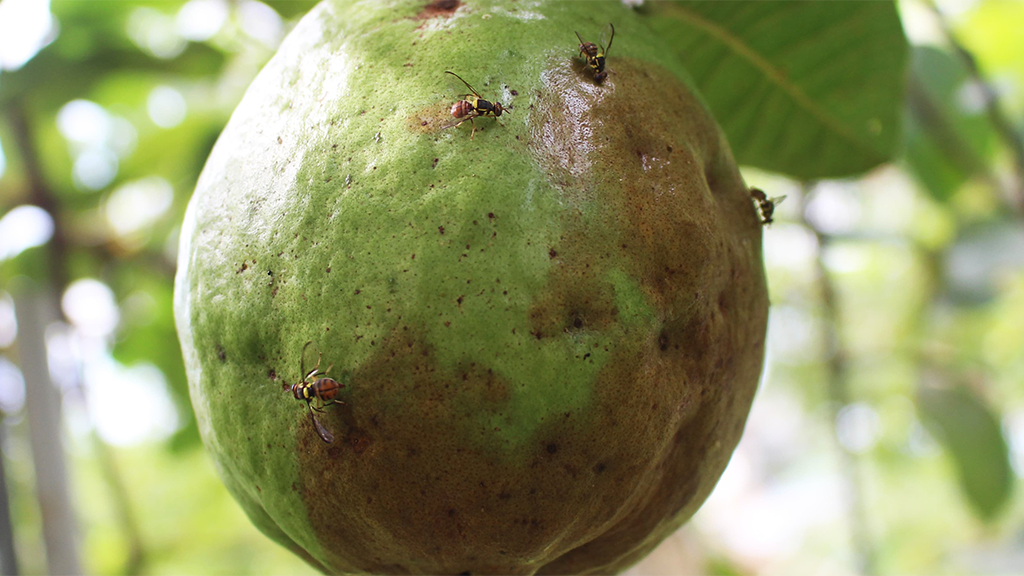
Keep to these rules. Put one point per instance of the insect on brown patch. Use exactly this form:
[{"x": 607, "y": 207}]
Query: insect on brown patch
[
  {"x": 595, "y": 54},
  {"x": 316, "y": 386}
]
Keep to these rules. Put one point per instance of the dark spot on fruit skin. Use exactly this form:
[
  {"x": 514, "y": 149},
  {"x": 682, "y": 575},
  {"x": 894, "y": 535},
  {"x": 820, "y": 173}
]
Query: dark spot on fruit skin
[
  {"x": 221, "y": 354},
  {"x": 552, "y": 448},
  {"x": 438, "y": 8},
  {"x": 434, "y": 164},
  {"x": 552, "y": 254},
  {"x": 599, "y": 468},
  {"x": 272, "y": 374}
]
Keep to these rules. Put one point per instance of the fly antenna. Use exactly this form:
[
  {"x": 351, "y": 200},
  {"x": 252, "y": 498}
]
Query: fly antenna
[
  {"x": 302, "y": 360},
  {"x": 471, "y": 89}
]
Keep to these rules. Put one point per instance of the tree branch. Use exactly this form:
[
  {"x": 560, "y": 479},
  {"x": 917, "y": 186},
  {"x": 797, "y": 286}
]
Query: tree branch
[
  {"x": 1003, "y": 126},
  {"x": 945, "y": 137},
  {"x": 61, "y": 544},
  {"x": 8, "y": 555},
  {"x": 34, "y": 306},
  {"x": 839, "y": 395}
]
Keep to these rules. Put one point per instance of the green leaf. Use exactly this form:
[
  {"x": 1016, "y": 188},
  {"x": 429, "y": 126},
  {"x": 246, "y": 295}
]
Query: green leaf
[
  {"x": 946, "y": 143},
  {"x": 808, "y": 89},
  {"x": 970, "y": 433}
]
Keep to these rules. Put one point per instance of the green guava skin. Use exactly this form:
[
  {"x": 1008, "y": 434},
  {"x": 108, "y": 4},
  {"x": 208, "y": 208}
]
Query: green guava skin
[{"x": 549, "y": 334}]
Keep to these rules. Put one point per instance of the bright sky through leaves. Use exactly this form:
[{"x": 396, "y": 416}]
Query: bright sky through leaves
[
  {"x": 25, "y": 27},
  {"x": 22, "y": 228}
]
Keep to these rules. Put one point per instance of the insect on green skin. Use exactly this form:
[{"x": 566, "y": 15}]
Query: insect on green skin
[
  {"x": 597, "y": 53},
  {"x": 472, "y": 106},
  {"x": 315, "y": 385}
]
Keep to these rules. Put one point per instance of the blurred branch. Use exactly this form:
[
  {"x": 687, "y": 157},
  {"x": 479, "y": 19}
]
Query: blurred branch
[
  {"x": 839, "y": 394},
  {"x": 34, "y": 307},
  {"x": 8, "y": 555},
  {"x": 58, "y": 526},
  {"x": 39, "y": 192},
  {"x": 1003, "y": 126},
  {"x": 946, "y": 139}
]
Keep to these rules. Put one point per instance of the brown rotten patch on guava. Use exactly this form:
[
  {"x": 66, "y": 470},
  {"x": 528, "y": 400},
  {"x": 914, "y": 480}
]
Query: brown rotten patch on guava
[
  {"x": 439, "y": 8},
  {"x": 651, "y": 164}
]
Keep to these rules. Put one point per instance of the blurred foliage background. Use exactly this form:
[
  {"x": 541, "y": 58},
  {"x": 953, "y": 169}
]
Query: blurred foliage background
[{"x": 887, "y": 436}]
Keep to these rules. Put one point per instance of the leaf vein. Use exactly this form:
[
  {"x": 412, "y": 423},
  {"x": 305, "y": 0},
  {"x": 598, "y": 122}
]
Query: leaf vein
[{"x": 776, "y": 76}]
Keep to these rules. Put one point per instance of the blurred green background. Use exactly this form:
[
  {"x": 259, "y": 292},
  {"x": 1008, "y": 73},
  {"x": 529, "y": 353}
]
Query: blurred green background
[{"x": 887, "y": 436}]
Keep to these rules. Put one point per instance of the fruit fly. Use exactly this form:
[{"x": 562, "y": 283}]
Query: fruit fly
[
  {"x": 596, "y": 53},
  {"x": 315, "y": 385},
  {"x": 767, "y": 205},
  {"x": 472, "y": 106}
]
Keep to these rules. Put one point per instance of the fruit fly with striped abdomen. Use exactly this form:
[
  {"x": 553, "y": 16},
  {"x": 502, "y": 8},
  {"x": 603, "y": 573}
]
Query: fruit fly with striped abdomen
[
  {"x": 596, "y": 53},
  {"x": 472, "y": 106},
  {"x": 766, "y": 205},
  {"x": 315, "y": 385}
]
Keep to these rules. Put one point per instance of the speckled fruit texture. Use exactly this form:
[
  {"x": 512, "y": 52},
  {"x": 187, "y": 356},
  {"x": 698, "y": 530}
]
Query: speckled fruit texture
[{"x": 549, "y": 334}]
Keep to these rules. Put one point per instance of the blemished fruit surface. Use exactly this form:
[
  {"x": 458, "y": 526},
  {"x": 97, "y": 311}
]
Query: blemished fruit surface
[{"x": 549, "y": 334}]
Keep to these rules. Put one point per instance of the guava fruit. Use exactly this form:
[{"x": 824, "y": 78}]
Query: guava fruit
[{"x": 549, "y": 334}]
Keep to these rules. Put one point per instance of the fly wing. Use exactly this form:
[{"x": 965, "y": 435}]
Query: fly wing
[
  {"x": 324, "y": 434},
  {"x": 776, "y": 200},
  {"x": 607, "y": 35},
  {"x": 473, "y": 114}
]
